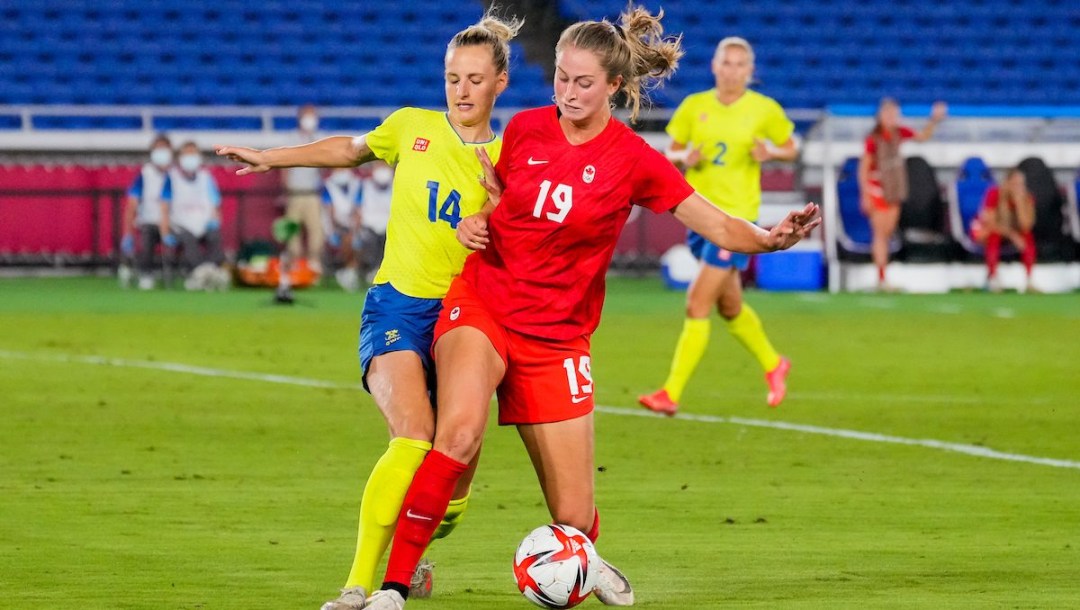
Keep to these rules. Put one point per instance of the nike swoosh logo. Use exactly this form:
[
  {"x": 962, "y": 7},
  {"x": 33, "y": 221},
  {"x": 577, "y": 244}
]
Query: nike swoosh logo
[
  {"x": 536, "y": 161},
  {"x": 577, "y": 399},
  {"x": 413, "y": 515}
]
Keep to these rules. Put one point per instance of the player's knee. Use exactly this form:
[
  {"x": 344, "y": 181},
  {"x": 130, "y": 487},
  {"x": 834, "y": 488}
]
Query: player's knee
[{"x": 459, "y": 442}]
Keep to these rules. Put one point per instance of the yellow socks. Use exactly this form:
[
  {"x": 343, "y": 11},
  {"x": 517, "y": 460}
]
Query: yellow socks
[
  {"x": 454, "y": 512},
  {"x": 746, "y": 327},
  {"x": 688, "y": 352},
  {"x": 379, "y": 508}
]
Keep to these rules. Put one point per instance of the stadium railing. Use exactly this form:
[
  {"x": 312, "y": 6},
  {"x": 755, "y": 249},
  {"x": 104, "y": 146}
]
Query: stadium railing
[{"x": 81, "y": 227}]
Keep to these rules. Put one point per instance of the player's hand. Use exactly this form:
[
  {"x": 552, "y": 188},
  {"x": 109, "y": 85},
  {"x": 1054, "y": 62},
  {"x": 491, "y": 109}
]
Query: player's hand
[
  {"x": 795, "y": 226},
  {"x": 472, "y": 231},
  {"x": 760, "y": 151},
  {"x": 693, "y": 158},
  {"x": 254, "y": 159},
  {"x": 938, "y": 111},
  {"x": 490, "y": 180}
]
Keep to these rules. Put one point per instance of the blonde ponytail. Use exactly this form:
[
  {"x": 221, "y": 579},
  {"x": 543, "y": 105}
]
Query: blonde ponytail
[{"x": 492, "y": 31}]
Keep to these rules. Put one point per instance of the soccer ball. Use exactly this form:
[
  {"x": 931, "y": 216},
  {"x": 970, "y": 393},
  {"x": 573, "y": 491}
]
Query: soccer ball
[{"x": 555, "y": 566}]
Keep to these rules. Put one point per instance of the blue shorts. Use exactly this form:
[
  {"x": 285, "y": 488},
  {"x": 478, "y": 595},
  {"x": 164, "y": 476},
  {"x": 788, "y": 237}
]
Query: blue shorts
[
  {"x": 394, "y": 322},
  {"x": 715, "y": 256}
]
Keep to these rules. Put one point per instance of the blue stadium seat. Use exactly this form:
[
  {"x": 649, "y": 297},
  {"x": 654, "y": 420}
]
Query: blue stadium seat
[
  {"x": 808, "y": 54},
  {"x": 965, "y": 201},
  {"x": 854, "y": 230}
]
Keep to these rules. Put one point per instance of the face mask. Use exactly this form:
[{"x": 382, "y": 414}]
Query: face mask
[
  {"x": 309, "y": 122},
  {"x": 341, "y": 178},
  {"x": 161, "y": 157},
  {"x": 189, "y": 162},
  {"x": 382, "y": 176}
]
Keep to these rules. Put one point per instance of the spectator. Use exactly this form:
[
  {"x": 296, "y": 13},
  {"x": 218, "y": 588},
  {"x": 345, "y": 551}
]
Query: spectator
[
  {"x": 374, "y": 218},
  {"x": 1008, "y": 212},
  {"x": 883, "y": 180},
  {"x": 195, "y": 221},
  {"x": 146, "y": 211},
  {"x": 302, "y": 206},
  {"x": 341, "y": 222}
]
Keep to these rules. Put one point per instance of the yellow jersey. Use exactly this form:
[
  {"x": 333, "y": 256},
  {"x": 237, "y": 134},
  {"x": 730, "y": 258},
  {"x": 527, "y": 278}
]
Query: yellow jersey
[
  {"x": 436, "y": 184},
  {"x": 727, "y": 174}
]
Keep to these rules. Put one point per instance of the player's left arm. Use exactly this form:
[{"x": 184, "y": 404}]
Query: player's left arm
[
  {"x": 780, "y": 142},
  {"x": 472, "y": 231},
  {"x": 739, "y": 235},
  {"x": 763, "y": 150}
]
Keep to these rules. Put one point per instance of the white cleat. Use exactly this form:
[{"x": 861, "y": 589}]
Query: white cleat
[
  {"x": 422, "y": 579},
  {"x": 612, "y": 588},
  {"x": 385, "y": 599},
  {"x": 351, "y": 598}
]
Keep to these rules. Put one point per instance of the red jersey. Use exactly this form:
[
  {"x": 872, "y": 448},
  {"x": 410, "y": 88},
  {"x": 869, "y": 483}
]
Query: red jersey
[
  {"x": 561, "y": 212},
  {"x": 905, "y": 133}
]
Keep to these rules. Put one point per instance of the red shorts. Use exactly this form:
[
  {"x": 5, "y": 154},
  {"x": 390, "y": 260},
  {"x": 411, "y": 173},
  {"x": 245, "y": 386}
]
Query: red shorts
[
  {"x": 877, "y": 197},
  {"x": 546, "y": 381}
]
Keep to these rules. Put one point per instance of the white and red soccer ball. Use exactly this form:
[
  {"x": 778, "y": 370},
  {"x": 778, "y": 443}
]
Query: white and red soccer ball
[{"x": 555, "y": 566}]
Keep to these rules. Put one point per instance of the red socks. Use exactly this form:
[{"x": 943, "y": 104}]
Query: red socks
[
  {"x": 594, "y": 531},
  {"x": 424, "y": 507},
  {"x": 1028, "y": 255},
  {"x": 993, "y": 253}
]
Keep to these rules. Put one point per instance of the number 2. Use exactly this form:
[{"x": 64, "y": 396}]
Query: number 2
[{"x": 719, "y": 158}]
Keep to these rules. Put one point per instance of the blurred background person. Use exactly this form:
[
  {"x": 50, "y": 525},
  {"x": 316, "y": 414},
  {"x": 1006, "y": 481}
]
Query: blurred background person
[
  {"x": 147, "y": 211},
  {"x": 374, "y": 218},
  {"x": 303, "y": 185},
  {"x": 720, "y": 138},
  {"x": 883, "y": 182},
  {"x": 195, "y": 221},
  {"x": 1007, "y": 213},
  {"x": 341, "y": 222}
]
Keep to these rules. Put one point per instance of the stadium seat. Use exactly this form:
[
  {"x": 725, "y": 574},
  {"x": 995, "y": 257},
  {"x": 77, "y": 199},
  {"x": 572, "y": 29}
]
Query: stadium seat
[
  {"x": 965, "y": 200},
  {"x": 854, "y": 234},
  {"x": 1051, "y": 239},
  {"x": 923, "y": 216},
  {"x": 1072, "y": 213},
  {"x": 839, "y": 54}
]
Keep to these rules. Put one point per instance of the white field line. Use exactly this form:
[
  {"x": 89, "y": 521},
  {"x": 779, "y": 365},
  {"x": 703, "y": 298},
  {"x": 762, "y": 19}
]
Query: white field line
[
  {"x": 973, "y": 450},
  {"x": 178, "y": 368}
]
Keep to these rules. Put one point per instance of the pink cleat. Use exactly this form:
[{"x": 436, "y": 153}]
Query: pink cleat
[
  {"x": 659, "y": 401},
  {"x": 777, "y": 379}
]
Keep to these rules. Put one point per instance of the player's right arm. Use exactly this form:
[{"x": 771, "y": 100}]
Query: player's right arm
[{"x": 335, "y": 151}]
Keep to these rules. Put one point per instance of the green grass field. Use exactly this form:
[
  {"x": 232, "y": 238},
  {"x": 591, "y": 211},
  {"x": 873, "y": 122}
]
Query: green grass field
[{"x": 147, "y": 462}]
